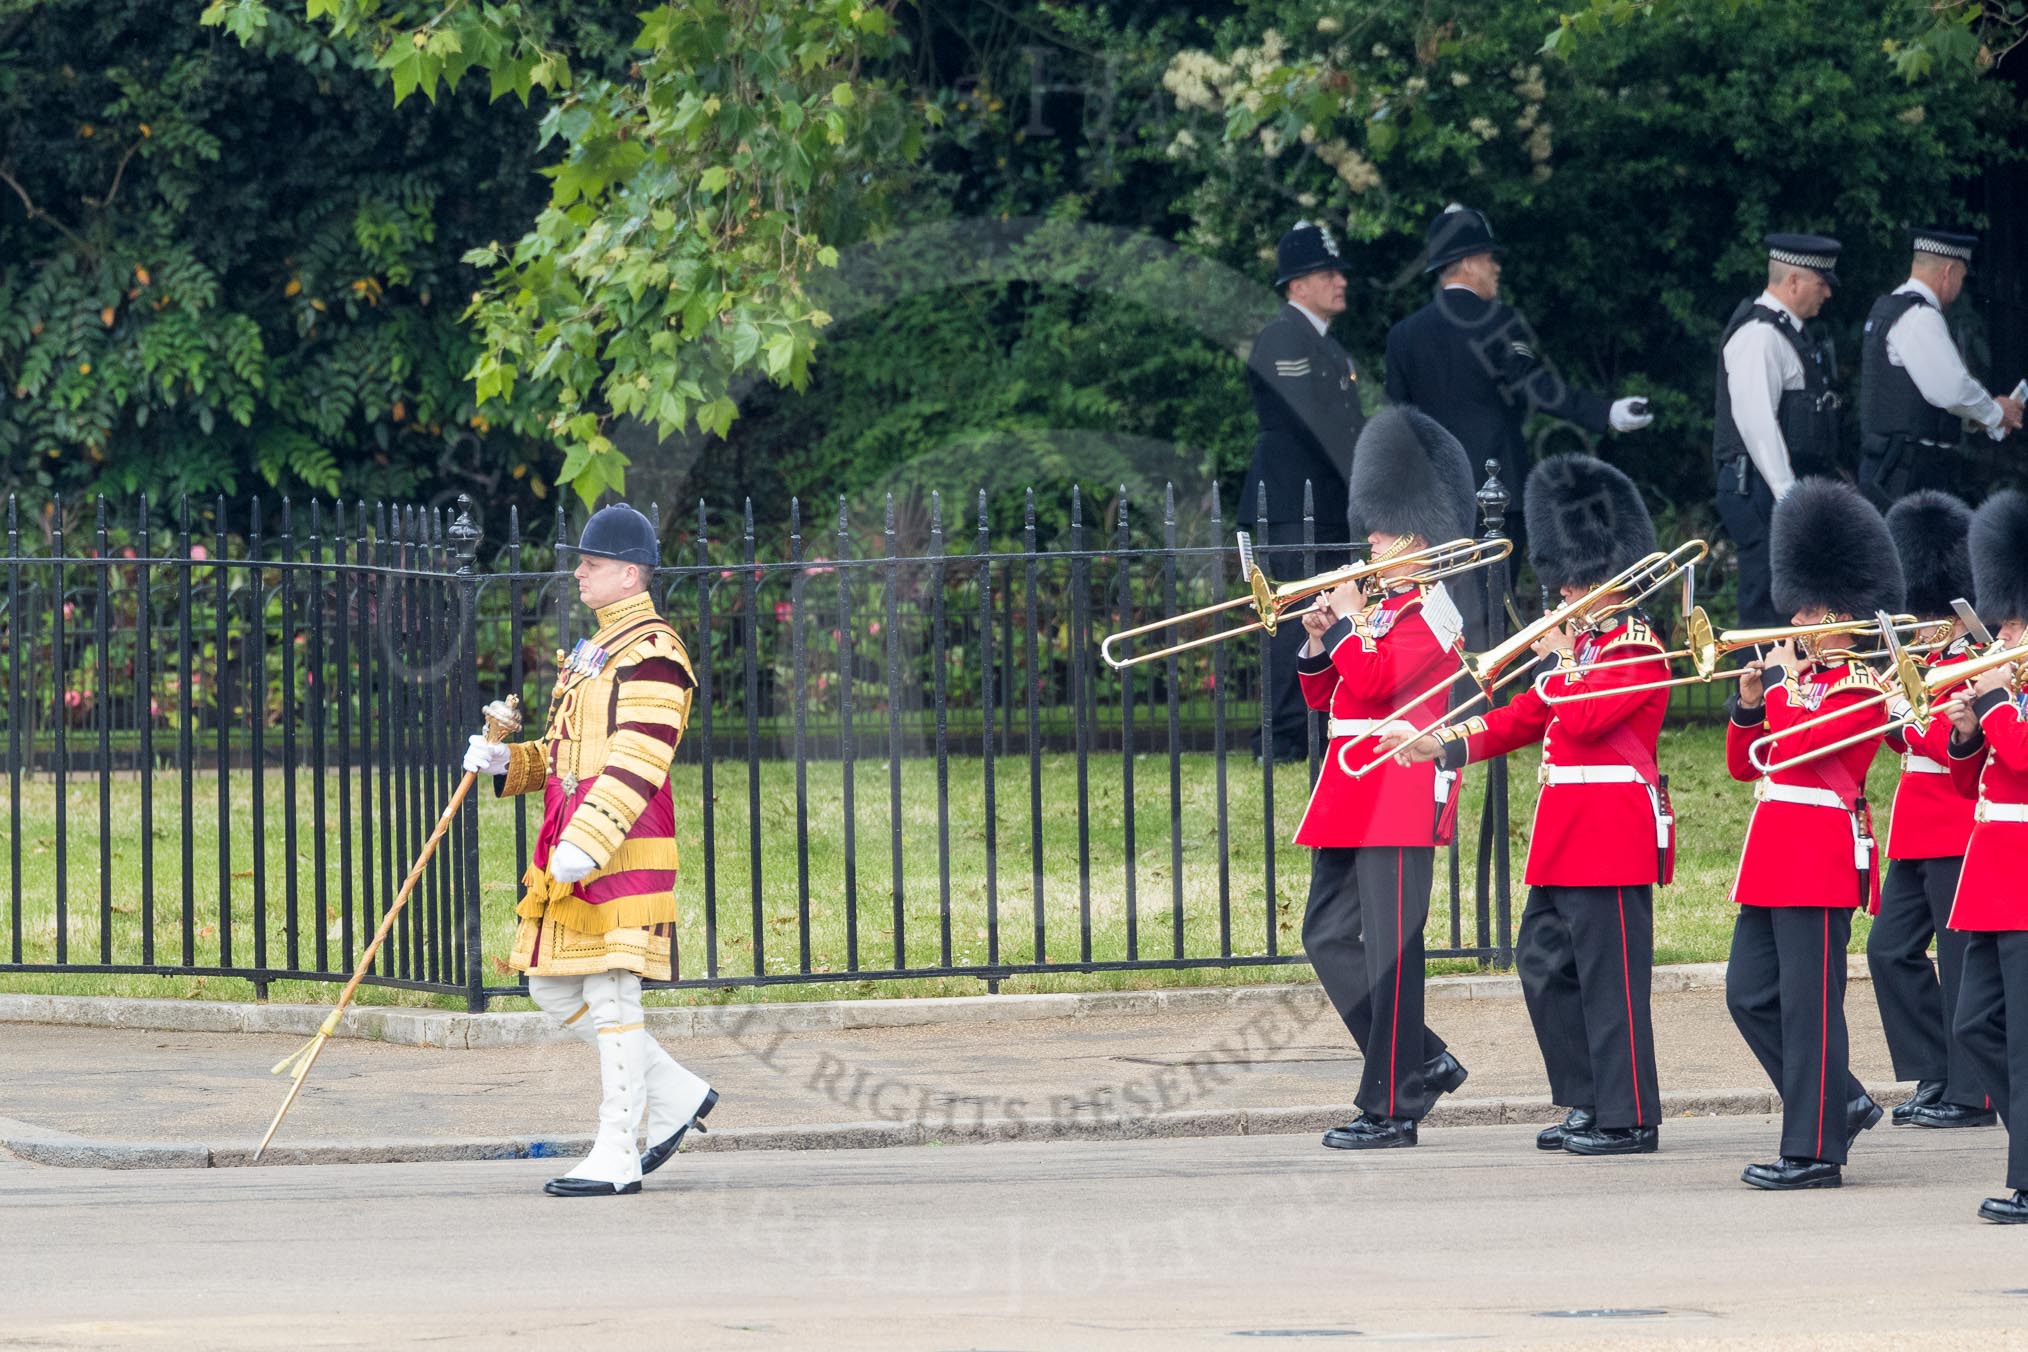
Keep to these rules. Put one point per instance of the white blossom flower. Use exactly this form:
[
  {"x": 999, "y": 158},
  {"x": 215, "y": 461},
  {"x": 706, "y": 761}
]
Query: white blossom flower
[
  {"x": 1459, "y": 79},
  {"x": 1327, "y": 24}
]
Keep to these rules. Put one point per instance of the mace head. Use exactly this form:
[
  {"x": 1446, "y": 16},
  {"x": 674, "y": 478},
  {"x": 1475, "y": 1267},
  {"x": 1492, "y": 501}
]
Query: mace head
[{"x": 503, "y": 718}]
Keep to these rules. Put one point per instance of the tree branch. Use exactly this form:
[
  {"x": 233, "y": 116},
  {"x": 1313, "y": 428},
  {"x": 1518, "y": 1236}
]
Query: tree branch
[
  {"x": 100, "y": 204},
  {"x": 36, "y": 213}
]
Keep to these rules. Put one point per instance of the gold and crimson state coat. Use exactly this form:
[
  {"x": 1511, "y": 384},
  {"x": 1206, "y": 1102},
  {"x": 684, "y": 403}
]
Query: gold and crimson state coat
[{"x": 619, "y": 709}]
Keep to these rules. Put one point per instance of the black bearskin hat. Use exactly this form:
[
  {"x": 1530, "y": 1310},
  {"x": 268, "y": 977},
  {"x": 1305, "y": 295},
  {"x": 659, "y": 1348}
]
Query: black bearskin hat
[
  {"x": 1999, "y": 549},
  {"x": 1929, "y": 534},
  {"x": 1411, "y": 477},
  {"x": 1829, "y": 547},
  {"x": 1586, "y": 521}
]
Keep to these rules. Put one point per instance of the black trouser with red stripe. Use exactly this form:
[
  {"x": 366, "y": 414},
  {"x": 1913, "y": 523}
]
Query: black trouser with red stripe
[
  {"x": 1363, "y": 934},
  {"x": 1586, "y": 956},
  {"x": 1785, "y": 986},
  {"x": 1992, "y": 1023},
  {"x": 1915, "y": 901}
]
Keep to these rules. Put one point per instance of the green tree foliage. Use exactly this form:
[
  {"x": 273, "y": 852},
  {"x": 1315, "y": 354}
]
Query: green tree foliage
[
  {"x": 692, "y": 195},
  {"x": 225, "y": 270}
]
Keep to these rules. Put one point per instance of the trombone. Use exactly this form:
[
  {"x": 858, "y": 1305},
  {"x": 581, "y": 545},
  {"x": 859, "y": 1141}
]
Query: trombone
[
  {"x": 1274, "y": 602},
  {"x": 1915, "y": 686},
  {"x": 1703, "y": 649},
  {"x": 1637, "y": 581}
]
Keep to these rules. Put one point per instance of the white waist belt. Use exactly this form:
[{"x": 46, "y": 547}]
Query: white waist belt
[
  {"x": 1914, "y": 763},
  {"x": 1588, "y": 774},
  {"x": 1354, "y": 727},
  {"x": 1767, "y": 791},
  {"x": 2000, "y": 812}
]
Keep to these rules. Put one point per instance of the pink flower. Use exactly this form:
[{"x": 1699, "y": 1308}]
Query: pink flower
[
  {"x": 72, "y": 699},
  {"x": 69, "y": 610},
  {"x": 128, "y": 552},
  {"x": 873, "y": 627},
  {"x": 154, "y": 708},
  {"x": 302, "y": 639},
  {"x": 784, "y": 611},
  {"x": 199, "y": 552}
]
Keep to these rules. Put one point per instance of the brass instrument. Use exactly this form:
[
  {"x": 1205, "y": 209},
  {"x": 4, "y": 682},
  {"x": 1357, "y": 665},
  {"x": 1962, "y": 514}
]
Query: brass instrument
[
  {"x": 1274, "y": 602},
  {"x": 1703, "y": 649},
  {"x": 1919, "y": 688},
  {"x": 1488, "y": 670}
]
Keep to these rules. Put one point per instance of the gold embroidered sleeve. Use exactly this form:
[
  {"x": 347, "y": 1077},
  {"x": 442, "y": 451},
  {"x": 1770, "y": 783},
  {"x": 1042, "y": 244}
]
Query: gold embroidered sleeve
[
  {"x": 653, "y": 708},
  {"x": 527, "y": 769}
]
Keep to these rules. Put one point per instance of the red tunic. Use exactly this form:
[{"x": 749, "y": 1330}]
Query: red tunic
[
  {"x": 1587, "y": 834},
  {"x": 1991, "y": 894},
  {"x": 1932, "y": 818},
  {"x": 1799, "y": 854},
  {"x": 1402, "y": 646}
]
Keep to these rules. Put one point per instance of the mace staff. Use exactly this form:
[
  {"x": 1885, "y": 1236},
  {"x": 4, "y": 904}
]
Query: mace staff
[{"x": 503, "y": 720}]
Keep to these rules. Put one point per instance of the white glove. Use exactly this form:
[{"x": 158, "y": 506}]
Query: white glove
[
  {"x": 1631, "y": 413},
  {"x": 486, "y": 758},
  {"x": 569, "y": 864}
]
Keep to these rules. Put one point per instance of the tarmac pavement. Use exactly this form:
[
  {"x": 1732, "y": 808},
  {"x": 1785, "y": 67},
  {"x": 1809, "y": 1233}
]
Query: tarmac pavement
[
  {"x": 1275, "y": 1061},
  {"x": 1474, "y": 1237}
]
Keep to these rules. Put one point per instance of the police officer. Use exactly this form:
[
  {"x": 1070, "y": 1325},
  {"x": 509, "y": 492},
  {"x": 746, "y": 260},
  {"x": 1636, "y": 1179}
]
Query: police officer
[
  {"x": 1777, "y": 417},
  {"x": 1472, "y": 363},
  {"x": 1915, "y": 394},
  {"x": 1305, "y": 392}
]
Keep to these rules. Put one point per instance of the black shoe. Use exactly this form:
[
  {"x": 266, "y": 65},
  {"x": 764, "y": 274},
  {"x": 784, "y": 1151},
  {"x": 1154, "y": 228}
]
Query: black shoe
[
  {"x": 1443, "y": 1074},
  {"x": 1613, "y": 1141},
  {"x": 655, "y": 1156},
  {"x": 1789, "y": 1174},
  {"x": 587, "y": 1187},
  {"x": 1926, "y": 1093},
  {"x": 2006, "y": 1210},
  {"x": 1861, "y": 1114},
  {"x": 1953, "y": 1115},
  {"x": 1367, "y": 1132},
  {"x": 1577, "y": 1119}
]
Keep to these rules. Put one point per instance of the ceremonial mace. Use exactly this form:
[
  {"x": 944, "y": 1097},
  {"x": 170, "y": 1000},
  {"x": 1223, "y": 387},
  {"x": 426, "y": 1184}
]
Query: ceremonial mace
[{"x": 503, "y": 720}]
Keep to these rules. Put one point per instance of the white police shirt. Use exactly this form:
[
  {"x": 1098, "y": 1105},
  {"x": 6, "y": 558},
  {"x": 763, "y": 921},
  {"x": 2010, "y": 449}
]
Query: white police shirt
[
  {"x": 1759, "y": 365},
  {"x": 1920, "y": 344}
]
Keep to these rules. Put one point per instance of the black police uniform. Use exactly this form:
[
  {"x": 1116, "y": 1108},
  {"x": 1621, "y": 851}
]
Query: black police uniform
[
  {"x": 1305, "y": 390},
  {"x": 1472, "y": 364}
]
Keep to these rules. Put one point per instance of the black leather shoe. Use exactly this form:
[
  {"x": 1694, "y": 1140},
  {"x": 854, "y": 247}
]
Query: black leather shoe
[
  {"x": 1577, "y": 1119},
  {"x": 1366, "y": 1132},
  {"x": 1861, "y": 1114},
  {"x": 1952, "y": 1115},
  {"x": 1444, "y": 1074},
  {"x": 1789, "y": 1174},
  {"x": 1926, "y": 1093},
  {"x": 2006, "y": 1210},
  {"x": 587, "y": 1187},
  {"x": 655, "y": 1156},
  {"x": 1613, "y": 1141}
]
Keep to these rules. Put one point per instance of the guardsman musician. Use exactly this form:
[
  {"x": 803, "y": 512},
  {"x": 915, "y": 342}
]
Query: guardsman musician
[
  {"x": 1809, "y": 858},
  {"x": 1915, "y": 395},
  {"x": 599, "y": 909},
  {"x": 1375, "y": 836},
  {"x": 1926, "y": 839},
  {"x": 1989, "y": 758},
  {"x": 1603, "y": 835},
  {"x": 1777, "y": 415}
]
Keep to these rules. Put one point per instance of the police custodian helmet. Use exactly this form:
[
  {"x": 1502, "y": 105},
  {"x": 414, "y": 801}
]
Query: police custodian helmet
[{"x": 618, "y": 532}]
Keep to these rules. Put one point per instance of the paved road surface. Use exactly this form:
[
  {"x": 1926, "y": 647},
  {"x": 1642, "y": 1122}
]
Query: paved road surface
[{"x": 1232, "y": 1243}]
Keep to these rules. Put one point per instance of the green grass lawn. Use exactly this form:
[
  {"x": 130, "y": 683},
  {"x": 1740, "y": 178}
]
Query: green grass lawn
[{"x": 1693, "y": 919}]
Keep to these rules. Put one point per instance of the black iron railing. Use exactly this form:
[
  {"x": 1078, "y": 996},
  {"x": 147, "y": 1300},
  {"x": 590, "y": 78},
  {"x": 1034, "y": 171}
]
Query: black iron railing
[{"x": 223, "y": 747}]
